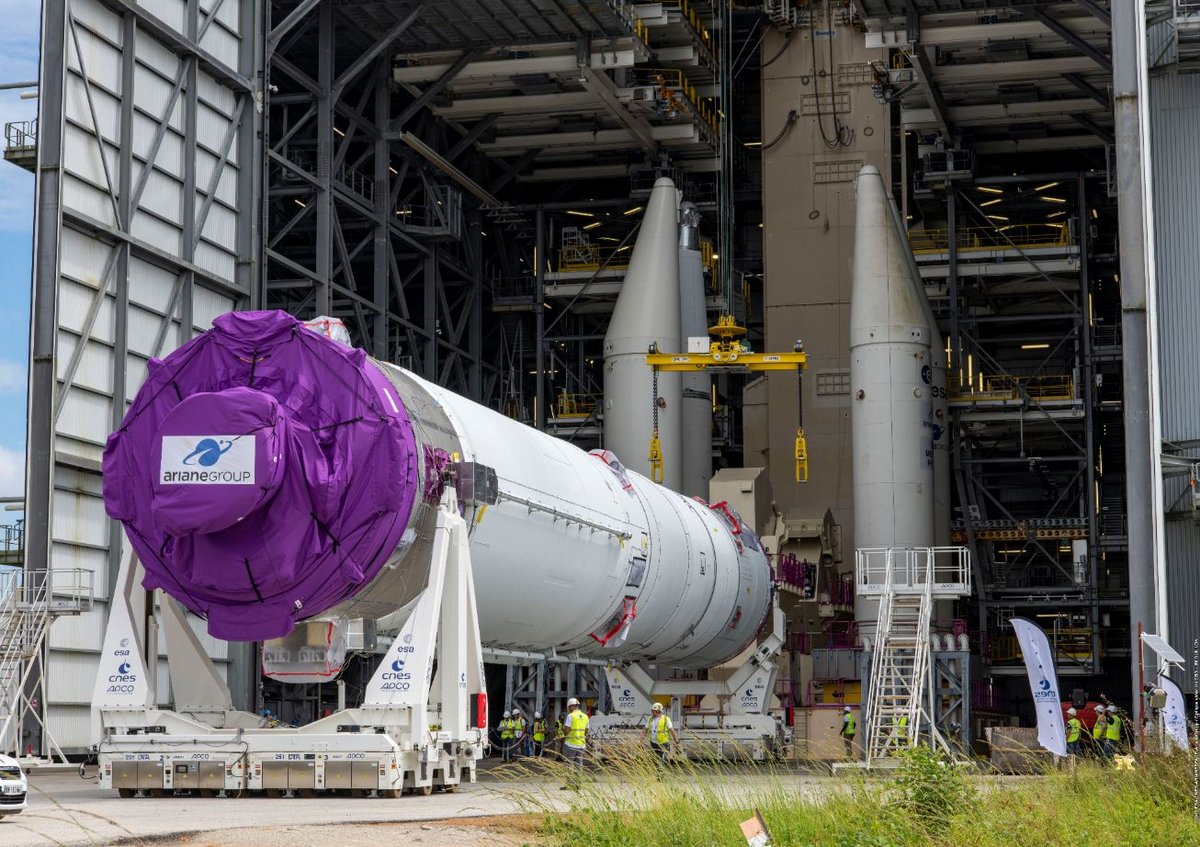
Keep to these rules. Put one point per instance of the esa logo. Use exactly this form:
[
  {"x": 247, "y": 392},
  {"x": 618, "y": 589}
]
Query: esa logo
[
  {"x": 397, "y": 679},
  {"x": 122, "y": 681}
]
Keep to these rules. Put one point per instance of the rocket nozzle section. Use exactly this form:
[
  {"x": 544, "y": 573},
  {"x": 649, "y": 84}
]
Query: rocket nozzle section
[{"x": 263, "y": 474}]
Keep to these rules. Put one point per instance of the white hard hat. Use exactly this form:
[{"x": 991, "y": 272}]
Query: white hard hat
[
  {"x": 1112, "y": 708},
  {"x": 507, "y": 713},
  {"x": 657, "y": 707},
  {"x": 572, "y": 702},
  {"x": 1099, "y": 707},
  {"x": 537, "y": 715},
  {"x": 845, "y": 708},
  {"x": 1072, "y": 712}
]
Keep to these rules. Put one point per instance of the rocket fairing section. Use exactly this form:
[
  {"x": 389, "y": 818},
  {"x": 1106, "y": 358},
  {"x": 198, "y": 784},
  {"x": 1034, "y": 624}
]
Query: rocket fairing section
[
  {"x": 266, "y": 475},
  {"x": 647, "y": 312},
  {"x": 890, "y": 377}
]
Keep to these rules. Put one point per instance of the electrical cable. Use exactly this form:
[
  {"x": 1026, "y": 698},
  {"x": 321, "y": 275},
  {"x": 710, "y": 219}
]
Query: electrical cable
[
  {"x": 787, "y": 39},
  {"x": 792, "y": 117}
]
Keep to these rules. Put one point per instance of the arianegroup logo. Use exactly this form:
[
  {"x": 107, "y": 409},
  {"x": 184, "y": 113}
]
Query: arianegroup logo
[{"x": 207, "y": 460}]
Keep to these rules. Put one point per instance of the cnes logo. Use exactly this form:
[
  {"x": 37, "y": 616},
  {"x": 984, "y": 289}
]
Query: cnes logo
[{"x": 207, "y": 460}]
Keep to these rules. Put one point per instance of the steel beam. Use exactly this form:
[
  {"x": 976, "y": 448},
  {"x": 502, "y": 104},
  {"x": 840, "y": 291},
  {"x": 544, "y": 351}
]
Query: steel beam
[
  {"x": 324, "y": 194},
  {"x": 364, "y": 61},
  {"x": 1090, "y": 90},
  {"x": 435, "y": 88},
  {"x": 1096, "y": 129},
  {"x": 933, "y": 94},
  {"x": 604, "y": 88},
  {"x": 1095, "y": 10},
  {"x": 1054, "y": 25}
]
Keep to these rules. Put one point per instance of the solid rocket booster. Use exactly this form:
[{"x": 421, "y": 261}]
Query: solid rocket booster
[
  {"x": 266, "y": 475},
  {"x": 890, "y": 378},
  {"x": 697, "y": 402},
  {"x": 647, "y": 312}
]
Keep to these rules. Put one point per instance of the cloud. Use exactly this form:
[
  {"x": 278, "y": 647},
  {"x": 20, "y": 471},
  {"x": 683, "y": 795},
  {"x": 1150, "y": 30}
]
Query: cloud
[
  {"x": 18, "y": 62},
  {"x": 12, "y": 473}
]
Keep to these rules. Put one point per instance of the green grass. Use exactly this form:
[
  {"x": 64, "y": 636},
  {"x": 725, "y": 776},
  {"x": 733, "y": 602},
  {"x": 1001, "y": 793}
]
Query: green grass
[{"x": 630, "y": 801}]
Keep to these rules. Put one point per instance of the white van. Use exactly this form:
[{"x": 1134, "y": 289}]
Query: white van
[{"x": 13, "y": 787}]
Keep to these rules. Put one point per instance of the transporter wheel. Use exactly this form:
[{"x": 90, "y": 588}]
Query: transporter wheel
[
  {"x": 390, "y": 793},
  {"x": 449, "y": 789},
  {"x": 126, "y": 793},
  {"x": 424, "y": 790}
]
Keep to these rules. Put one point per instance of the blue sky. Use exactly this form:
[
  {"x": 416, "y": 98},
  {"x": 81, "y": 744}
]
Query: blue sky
[{"x": 18, "y": 62}]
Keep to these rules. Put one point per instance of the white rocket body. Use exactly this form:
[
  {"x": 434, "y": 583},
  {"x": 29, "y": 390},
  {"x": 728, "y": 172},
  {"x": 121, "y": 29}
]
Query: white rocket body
[
  {"x": 891, "y": 379},
  {"x": 697, "y": 399},
  {"x": 647, "y": 312},
  {"x": 573, "y": 546}
]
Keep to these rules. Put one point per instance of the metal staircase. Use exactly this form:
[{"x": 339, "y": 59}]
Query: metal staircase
[
  {"x": 29, "y": 604},
  {"x": 907, "y": 581}
]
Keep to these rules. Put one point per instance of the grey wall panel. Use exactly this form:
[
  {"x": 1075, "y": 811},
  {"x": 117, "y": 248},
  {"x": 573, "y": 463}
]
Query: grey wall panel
[
  {"x": 147, "y": 231},
  {"x": 1175, "y": 126}
]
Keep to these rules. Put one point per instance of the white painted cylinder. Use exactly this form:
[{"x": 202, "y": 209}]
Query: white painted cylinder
[
  {"x": 889, "y": 351},
  {"x": 696, "y": 387},
  {"x": 647, "y": 312}
]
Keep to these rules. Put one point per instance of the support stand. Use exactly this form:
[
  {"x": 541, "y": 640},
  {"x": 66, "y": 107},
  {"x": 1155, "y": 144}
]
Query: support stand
[
  {"x": 741, "y": 727},
  {"x": 413, "y": 732}
]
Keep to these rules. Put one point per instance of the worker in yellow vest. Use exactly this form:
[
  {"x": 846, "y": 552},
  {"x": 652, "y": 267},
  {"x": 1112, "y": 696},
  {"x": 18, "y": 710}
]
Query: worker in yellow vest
[
  {"x": 902, "y": 730},
  {"x": 1098, "y": 729},
  {"x": 660, "y": 731},
  {"x": 539, "y": 733},
  {"x": 849, "y": 729},
  {"x": 506, "y": 736},
  {"x": 575, "y": 743},
  {"x": 1074, "y": 728},
  {"x": 1112, "y": 732},
  {"x": 520, "y": 737},
  {"x": 560, "y": 735}
]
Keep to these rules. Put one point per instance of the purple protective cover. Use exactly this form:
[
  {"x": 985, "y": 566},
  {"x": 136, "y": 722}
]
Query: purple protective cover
[{"x": 333, "y": 482}]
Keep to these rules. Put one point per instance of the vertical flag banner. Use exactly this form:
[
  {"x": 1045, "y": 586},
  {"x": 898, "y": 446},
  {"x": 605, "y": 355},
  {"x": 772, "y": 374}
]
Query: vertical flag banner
[
  {"x": 1175, "y": 714},
  {"x": 1043, "y": 682}
]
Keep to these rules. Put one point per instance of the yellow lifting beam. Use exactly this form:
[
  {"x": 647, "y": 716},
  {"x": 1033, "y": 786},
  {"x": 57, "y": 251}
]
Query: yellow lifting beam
[{"x": 729, "y": 353}]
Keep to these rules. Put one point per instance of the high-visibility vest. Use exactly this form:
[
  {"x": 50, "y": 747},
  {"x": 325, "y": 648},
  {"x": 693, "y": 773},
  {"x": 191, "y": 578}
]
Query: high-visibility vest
[
  {"x": 1098, "y": 728},
  {"x": 661, "y": 734},
  {"x": 902, "y": 731},
  {"x": 559, "y": 729},
  {"x": 577, "y": 724},
  {"x": 506, "y": 728},
  {"x": 1073, "y": 728},
  {"x": 848, "y": 725},
  {"x": 1113, "y": 731},
  {"x": 518, "y": 725},
  {"x": 539, "y": 731}
]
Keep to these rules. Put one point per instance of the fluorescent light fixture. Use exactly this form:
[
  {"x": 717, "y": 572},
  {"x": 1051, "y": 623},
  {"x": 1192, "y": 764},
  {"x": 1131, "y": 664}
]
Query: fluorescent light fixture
[
  {"x": 633, "y": 211},
  {"x": 1095, "y": 215},
  {"x": 987, "y": 189},
  {"x": 997, "y": 218},
  {"x": 393, "y": 171},
  {"x": 593, "y": 225},
  {"x": 301, "y": 204},
  {"x": 1054, "y": 200},
  {"x": 622, "y": 249},
  {"x": 1055, "y": 215},
  {"x": 752, "y": 144},
  {"x": 608, "y": 238},
  {"x": 716, "y": 256},
  {"x": 1035, "y": 346},
  {"x": 1044, "y": 187},
  {"x": 339, "y": 132},
  {"x": 992, "y": 202},
  {"x": 580, "y": 214}
]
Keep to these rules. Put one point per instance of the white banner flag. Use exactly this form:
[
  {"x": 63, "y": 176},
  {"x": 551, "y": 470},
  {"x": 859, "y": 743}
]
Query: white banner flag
[
  {"x": 1043, "y": 682},
  {"x": 1175, "y": 714}
]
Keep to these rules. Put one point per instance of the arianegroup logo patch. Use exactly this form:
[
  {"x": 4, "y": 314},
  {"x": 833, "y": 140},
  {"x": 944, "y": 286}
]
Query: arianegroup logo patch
[{"x": 207, "y": 460}]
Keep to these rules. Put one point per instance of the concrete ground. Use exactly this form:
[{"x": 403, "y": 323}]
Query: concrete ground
[{"x": 494, "y": 812}]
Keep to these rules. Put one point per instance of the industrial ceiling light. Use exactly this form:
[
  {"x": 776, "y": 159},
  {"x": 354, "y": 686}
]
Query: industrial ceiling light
[
  {"x": 1095, "y": 214},
  {"x": 1035, "y": 346},
  {"x": 1055, "y": 214},
  {"x": 594, "y": 225},
  {"x": 1054, "y": 200},
  {"x": 989, "y": 190},
  {"x": 633, "y": 211},
  {"x": 997, "y": 218},
  {"x": 581, "y": 214},
  {"x": 992, "y": 202},
  {"x": 752, "y": 144},
  {"x": 1044, "y": 187}
]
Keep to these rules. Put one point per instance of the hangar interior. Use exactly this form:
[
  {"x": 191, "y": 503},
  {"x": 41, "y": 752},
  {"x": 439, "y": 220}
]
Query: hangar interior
[{"x": 462, "y": 183}]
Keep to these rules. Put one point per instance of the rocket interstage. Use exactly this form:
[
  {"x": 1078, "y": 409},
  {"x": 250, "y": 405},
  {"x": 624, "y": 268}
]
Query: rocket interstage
[
  {"x": 647, "y": 312},
  {"x": 266, "y": 475},
  {"x": 891, "y": 383}
]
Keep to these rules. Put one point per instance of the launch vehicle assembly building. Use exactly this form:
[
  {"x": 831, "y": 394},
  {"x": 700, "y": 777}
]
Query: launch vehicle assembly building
[{"x": 914, "y": 276}]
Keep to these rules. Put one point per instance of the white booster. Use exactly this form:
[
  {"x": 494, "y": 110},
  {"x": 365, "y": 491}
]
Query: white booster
[
  {"x": 697, "y": 400},
  {"x": 647, "y": 312},
  {"x": 890, "y": 380}
]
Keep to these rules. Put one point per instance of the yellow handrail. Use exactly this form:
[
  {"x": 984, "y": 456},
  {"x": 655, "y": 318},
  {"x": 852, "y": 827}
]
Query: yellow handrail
[{"x": 1010, "y": 237}]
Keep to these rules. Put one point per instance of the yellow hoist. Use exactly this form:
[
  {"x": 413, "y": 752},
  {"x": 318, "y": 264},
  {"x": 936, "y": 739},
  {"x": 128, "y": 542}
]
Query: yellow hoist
[{"x": 728, "y": 352}]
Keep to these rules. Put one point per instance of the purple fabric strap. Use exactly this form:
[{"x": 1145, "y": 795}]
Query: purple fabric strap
[{"x": 261, "y": 429}]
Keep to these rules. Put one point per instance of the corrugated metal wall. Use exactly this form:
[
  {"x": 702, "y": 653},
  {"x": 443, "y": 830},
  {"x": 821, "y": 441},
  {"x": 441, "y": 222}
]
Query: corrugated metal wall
[
  {"x": 155, "y": 237},
  {"x": 1174, "y": 129}
]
